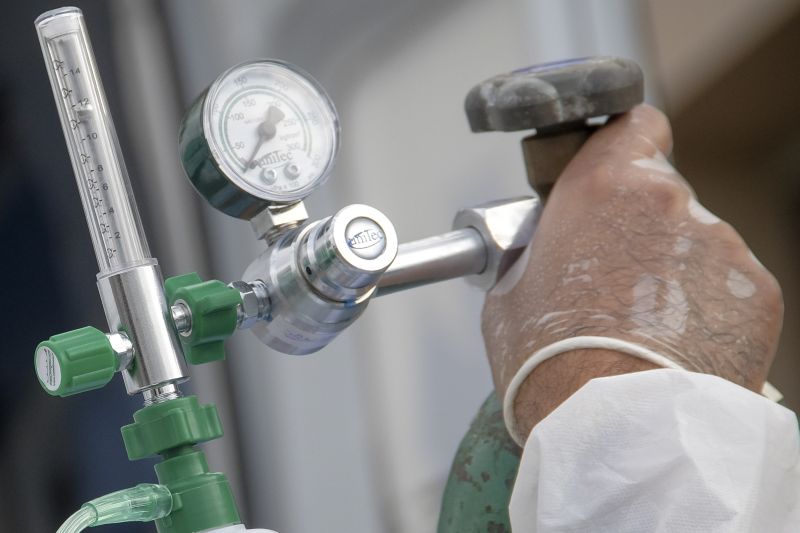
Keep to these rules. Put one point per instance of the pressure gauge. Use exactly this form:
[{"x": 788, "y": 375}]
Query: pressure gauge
[{"x": 263, "y": 134}]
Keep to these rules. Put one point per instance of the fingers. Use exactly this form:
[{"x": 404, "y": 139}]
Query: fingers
[
  {"x": 627, "y": 157},
  {"x": 631, "y": 147},
  {"x": 644, "y": 129}
]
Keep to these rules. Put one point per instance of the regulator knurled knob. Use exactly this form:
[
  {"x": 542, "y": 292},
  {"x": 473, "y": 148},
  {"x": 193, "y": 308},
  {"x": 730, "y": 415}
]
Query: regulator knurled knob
[{"x": 75, "y": 361}]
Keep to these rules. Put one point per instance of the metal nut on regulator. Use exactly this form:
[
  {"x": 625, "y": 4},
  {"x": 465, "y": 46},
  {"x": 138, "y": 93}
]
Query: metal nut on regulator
[
  {"x": 255, "y": 303},
  {"x": 506, "y": 227}
]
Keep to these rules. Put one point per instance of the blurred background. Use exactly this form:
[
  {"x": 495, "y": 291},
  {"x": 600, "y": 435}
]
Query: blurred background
[{"x": 360, "y": 436}]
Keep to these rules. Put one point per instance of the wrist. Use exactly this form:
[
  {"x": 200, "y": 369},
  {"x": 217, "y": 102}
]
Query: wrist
[{"x": 557, "y": 378}]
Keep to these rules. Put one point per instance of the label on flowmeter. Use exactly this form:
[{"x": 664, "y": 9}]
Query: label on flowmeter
[{"x": 48, "y": 368}]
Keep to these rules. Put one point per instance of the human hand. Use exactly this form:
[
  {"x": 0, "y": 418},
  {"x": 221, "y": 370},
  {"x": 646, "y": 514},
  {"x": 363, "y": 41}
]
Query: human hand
[{"x": 624, "y": 250}]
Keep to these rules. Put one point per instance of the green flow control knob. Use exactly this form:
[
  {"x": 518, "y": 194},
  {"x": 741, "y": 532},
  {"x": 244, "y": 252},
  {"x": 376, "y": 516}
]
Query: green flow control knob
[
  {"x": 75, "y": 361},
  {"x": 212, "y": 309}
]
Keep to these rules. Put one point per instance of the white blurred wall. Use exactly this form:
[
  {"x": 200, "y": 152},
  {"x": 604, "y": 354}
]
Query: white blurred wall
[{"x": 359, "y": 437}]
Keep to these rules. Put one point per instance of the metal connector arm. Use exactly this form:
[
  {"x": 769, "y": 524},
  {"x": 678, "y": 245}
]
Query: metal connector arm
[
  {"x": 487, "y": 241},
  {"x": 316, "y": 279},
  {"x": 452, "y": 255}
]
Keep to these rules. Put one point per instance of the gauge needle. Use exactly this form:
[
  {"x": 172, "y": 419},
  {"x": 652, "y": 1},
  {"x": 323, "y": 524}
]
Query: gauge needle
[{"x": 266, "y": 131}]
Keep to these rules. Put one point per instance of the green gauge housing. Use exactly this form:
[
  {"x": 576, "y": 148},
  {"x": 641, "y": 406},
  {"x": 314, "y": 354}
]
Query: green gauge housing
[{"x": 265, "y": 133}]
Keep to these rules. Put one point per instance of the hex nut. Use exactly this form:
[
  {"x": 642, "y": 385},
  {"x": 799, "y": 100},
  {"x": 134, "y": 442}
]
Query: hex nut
[
  {"x": 506, "y": 226},
  {"x": 253, "y": 304}
]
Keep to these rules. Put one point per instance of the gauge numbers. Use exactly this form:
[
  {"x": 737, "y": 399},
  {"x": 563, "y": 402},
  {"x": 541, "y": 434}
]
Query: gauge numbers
[{"x": 271, "y": 130}]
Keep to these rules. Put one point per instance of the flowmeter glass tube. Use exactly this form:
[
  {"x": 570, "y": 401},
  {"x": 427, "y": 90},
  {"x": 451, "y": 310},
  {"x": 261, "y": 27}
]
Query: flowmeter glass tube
[{"x": 111, "y": 213}]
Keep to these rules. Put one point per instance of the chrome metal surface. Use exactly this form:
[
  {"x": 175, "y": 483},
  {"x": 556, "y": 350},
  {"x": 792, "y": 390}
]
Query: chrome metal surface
[
  {"x": 344, "y": 256},
  {"x": 507, "y": 226},
  {"x": 255, "y": 303},
  {"x": 134, "y": 303},
  {"x": 485, "y": 242},
  {"x": 319, "y": 277},
  {"x": 270, "y": 222},
  {"x": 186, "y": 311},
  {"x": 123, "y": 349},
  {"x": 161, "y": 394},
  {"x": 438, "y": 258},
  {"x": 181, "y": 317}
]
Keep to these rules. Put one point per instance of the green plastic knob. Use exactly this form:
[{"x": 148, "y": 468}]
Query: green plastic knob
[
  {"x": 75, "y": 361},
  {"x": 164, "y": 426},
  {"x": 213, "y": 306}
]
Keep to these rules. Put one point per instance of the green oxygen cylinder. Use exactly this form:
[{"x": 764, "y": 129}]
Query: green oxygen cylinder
[{"x": 479, "y": 488}]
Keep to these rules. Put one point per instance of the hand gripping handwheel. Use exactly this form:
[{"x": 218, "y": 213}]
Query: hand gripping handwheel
[{"x": 563, "y": 102}]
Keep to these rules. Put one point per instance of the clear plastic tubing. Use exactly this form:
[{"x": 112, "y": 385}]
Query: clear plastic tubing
[
  {"x": 143, "y": 503},
  {"x": 114, "y": 223},
  {"x": 83, "y": 518}
]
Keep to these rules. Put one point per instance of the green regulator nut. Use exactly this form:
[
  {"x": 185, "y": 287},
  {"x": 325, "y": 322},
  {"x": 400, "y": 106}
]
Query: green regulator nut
[
  {"x": 79, "y": 361},
  {"x": 161, "y": 427},
  {"x": 209, "y": 315}
]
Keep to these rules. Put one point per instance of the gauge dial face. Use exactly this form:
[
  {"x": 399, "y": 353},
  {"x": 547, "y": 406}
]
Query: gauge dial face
[{"x": 271, "y": 130}]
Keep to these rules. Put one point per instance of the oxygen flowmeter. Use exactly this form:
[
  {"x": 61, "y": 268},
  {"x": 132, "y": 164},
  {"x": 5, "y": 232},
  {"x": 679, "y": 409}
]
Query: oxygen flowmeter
[
  {"x": 261, "y": 138},
  {"x": 142, "y": 342},
  {"x": 129, "y": 279}
]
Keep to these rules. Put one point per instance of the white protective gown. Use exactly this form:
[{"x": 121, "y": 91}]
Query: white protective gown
[{"x": 661, "y": 451}]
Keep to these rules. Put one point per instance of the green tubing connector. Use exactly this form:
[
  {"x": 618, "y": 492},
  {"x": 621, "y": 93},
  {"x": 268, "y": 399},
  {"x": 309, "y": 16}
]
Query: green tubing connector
[
  {"x": 75, "y": 361},
  {"x": 213, "y": 306},
  {"x": 201, "y": 500}
]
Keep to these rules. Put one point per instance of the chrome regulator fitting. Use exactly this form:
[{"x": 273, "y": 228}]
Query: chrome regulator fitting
[
  {"x": 255, "y": 303},
  {"x": 319, "y": 277}
]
